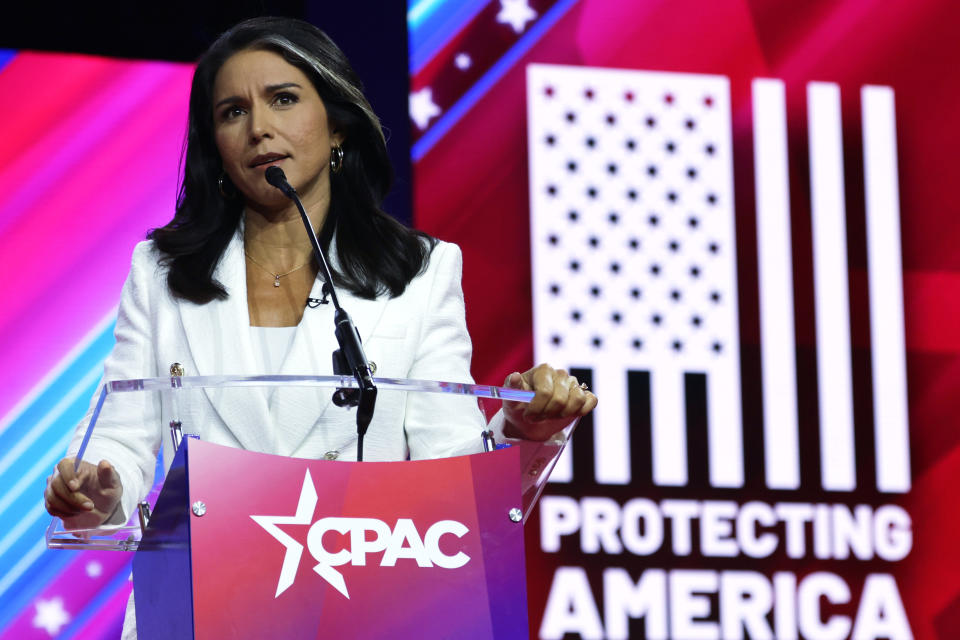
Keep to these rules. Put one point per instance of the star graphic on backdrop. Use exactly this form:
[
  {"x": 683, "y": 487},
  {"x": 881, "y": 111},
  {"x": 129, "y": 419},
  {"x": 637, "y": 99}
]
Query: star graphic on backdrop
[
  {"x": 422, "y": 107},
  {"x": 291, "y": 559},
  {"x": 516, "y": 13},
  {"x": 50, "y": 616},
  {"x": 463, "y": 61},
  {"x": 94, "y": 569}
]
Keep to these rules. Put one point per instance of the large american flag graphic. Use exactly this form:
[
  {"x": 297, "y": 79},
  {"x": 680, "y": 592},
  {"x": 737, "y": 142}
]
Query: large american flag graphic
[{"x": 634, "y": 269}]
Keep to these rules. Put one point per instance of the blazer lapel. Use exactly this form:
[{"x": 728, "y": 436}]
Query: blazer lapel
[
  {"x": 218, "y": 334},
  {"x": 298, "y": 412}
]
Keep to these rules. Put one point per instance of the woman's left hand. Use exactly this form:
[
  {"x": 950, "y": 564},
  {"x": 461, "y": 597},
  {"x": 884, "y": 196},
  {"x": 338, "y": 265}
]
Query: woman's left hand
[{"x": 559, "y": 398}]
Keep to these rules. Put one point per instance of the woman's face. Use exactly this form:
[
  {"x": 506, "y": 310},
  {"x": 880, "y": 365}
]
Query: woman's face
[{"x": 267, "y": 112}]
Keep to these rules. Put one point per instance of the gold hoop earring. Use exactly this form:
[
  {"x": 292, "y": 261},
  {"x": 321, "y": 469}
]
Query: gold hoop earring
[
  {"x": 222, "y": 185},
  {"x": 336, "y": 159}
]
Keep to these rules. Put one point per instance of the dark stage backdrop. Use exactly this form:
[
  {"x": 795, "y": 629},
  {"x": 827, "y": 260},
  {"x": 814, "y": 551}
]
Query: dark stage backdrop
[{"x": 734, "y": 219}]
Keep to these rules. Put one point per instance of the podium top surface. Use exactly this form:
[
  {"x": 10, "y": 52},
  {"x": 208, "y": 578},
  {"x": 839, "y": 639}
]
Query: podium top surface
[{"x": 346, "y": 382}]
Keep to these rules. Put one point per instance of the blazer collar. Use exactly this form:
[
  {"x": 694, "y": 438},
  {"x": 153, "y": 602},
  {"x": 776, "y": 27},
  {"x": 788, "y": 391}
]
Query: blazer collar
[
  {"x": 218, "y": 334},
  {"x": 298, "y": 411}
]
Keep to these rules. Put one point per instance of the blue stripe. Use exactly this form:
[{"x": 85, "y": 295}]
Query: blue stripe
[
  {"x": 50, "y": 563},
  {"x": 489, "y": 79},
  {"x": 42, "y": 572},
  {"x": 91, "y": 357},
  {"x": 63, "y": 425},
  {"x": 30, "y": 536},
  {"x": 6, "y": 55},
  {"x": 103, "y": 596},
  {"x": 420, "y": 11},
  {"x": 431, "y": 24}
]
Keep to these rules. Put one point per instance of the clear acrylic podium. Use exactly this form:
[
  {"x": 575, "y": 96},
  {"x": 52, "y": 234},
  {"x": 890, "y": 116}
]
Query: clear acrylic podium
[{"x": 444, "y": 535}]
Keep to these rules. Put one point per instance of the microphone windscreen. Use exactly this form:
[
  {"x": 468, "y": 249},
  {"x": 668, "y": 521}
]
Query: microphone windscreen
[{"x": 275, "y": 177}]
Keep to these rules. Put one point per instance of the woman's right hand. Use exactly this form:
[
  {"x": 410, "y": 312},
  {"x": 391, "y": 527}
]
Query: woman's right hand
[{"x": 84, "y": 498}]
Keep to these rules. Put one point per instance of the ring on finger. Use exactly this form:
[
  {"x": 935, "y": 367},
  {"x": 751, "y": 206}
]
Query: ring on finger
[{"x": 584, "y": 387}]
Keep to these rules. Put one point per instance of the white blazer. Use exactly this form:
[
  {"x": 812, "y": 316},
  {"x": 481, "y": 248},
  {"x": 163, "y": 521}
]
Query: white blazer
[{"x": 420, "y": 334}]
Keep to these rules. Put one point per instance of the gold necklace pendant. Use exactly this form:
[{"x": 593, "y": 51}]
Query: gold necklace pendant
[{"x": 276, "y": 276}]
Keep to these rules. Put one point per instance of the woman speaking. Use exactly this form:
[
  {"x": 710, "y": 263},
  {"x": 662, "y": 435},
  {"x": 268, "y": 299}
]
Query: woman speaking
[{"x": 230, "y": 285}]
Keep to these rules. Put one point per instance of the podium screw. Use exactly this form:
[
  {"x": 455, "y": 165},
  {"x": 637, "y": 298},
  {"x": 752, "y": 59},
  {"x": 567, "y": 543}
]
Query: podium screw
[
  {"x": 515, "y": 514},
  {"x": 199, "y": 508}
]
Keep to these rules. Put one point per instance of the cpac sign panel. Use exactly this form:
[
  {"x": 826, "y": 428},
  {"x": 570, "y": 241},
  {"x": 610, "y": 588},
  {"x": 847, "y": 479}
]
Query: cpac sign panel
[
  {"x": 674, "y": 516},
  {"x": 294, "y": 548},
  {"x": 400, "y": 542}
]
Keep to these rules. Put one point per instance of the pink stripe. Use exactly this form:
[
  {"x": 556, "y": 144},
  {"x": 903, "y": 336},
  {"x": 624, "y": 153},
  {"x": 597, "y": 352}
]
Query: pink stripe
[
  {"x": 57, "y": 287},
  {"x": 33, "y": 108},
  {"x": 62, "y": 317},
  {"x": 83, "y": 135},
  {"x": 126, "y": 162},
  {"x": 107, "y": 623}
]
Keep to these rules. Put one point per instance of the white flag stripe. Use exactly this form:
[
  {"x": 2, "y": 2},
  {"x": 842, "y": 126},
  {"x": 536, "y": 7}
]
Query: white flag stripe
[
  {"x": 891, "y": 417},
  {"x": 724, "y": 412},
  {"x": 834, "y": 379},
  {"x": 669, "y": 432},
  {"x": 775, "y": 264},
  {"x": 612, "y": 443},
  {"x": 725, "y": 434}
]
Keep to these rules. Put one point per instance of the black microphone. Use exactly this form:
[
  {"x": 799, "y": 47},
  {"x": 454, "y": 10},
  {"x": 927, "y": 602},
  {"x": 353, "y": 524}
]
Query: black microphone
[
  {"x": 276, "y": 178},
  {"x": 348, "y": 338}
]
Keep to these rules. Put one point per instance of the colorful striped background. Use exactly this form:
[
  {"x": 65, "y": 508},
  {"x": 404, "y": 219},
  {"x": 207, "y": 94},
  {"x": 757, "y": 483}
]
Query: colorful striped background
[
  {"x": 91, "y": 148},
  {"x": 88, "y": 163}
]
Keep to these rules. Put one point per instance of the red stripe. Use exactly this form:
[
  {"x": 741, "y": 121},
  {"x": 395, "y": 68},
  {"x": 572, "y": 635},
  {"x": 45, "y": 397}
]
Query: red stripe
[{"x": 932, "y": 310}]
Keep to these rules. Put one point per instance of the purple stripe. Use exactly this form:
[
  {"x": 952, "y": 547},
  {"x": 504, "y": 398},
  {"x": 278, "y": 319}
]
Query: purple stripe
[
  {"x": 71, "y": 591},
  {"x": 87, "y": 270},
  {"x": 98, "y": 276}
]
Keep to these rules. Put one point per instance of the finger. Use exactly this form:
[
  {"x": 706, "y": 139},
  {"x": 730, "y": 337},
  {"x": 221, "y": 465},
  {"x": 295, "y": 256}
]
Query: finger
[
  {"x": 59, "y": 514},
  {"x": 75, "y": 499},
  {"x": 67, "y": 472},
  {"x": 589, "y": 404},
  {"x": 565, "y": 392},
  {"x": 575, "y": 402},
  {"x": 580, "y": 397},
  {"x": 107, "y": 476},
  {"x": 559, "y": 398},
  {"x": 541, "y": 380},
  {"x": 515, "y": 381},
  {"x": 57, "y": 507}
]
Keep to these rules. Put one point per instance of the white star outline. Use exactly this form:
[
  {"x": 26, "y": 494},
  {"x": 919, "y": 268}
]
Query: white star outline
[
  {"x": 291, "y": 559},
  {"x": 516, "y": 13}
]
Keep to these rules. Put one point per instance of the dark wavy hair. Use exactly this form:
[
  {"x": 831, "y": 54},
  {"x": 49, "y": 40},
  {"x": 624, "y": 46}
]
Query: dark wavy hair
[{"x": 376, "y": 254}]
